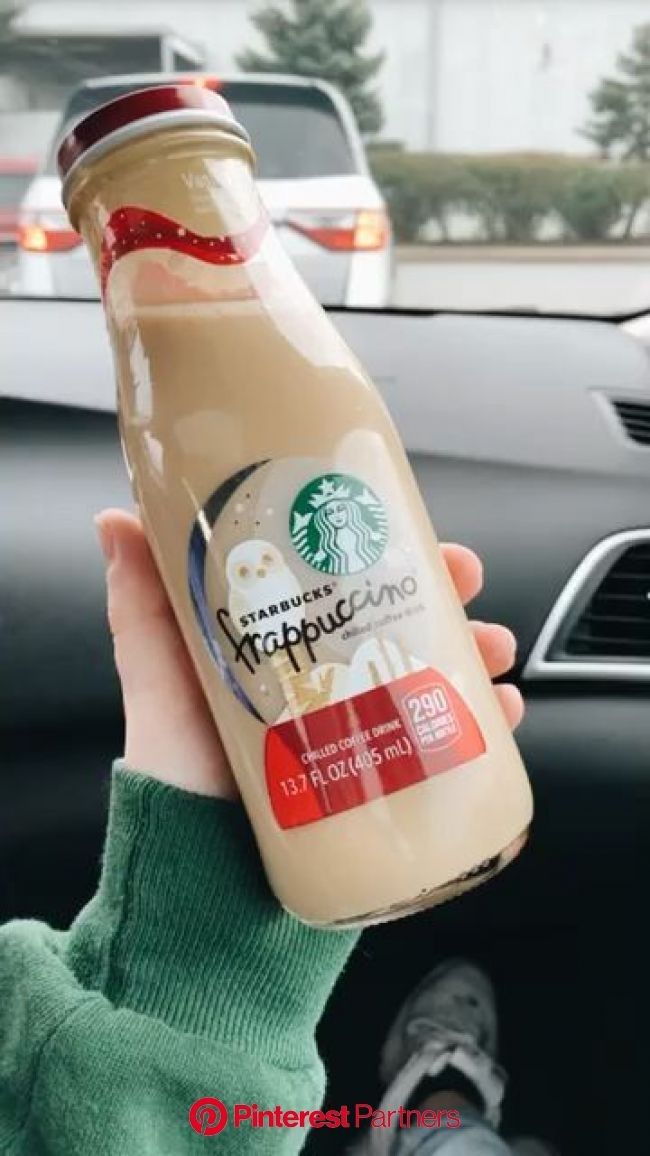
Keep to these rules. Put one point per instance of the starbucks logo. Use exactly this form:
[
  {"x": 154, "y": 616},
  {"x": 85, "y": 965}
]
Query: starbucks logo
[{"x": 338, "y": 525}]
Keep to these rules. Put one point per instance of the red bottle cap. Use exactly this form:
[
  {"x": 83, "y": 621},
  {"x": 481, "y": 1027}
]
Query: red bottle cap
[{"x": 137, "y": 113}]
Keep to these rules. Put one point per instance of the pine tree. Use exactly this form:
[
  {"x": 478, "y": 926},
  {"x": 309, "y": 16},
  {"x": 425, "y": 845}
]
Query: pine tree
[
  {"x": 322, "y": 38},
  {"x": 621, "y": 105},
  {"x": 9, "y": 9}
]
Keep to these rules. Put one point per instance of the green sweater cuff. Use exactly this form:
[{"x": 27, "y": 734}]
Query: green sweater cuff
[{"x": 184, "y": 927}]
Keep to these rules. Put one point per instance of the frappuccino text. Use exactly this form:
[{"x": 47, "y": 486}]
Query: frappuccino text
[{"x": 289, "y": 638}]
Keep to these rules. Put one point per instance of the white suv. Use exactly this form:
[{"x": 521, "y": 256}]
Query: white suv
[{"x": 312, "y": 174}]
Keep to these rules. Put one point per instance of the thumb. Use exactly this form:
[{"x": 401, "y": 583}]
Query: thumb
[{"x": 170, "y": 733}]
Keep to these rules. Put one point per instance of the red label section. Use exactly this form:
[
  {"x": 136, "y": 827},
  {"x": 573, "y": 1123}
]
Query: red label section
[
  {"x": 371, "y": 745},
  {"x": 131, "y": 228}
]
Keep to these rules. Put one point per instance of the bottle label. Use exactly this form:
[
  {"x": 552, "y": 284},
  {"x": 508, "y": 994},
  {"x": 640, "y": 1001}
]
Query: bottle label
[
  {"x": 133, "y": 229},
  {"x": 320, "y": 615}
]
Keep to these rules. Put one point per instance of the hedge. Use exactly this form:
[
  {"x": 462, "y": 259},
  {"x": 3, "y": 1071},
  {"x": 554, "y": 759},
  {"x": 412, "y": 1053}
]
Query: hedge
[{"x": 513, "y": 197}]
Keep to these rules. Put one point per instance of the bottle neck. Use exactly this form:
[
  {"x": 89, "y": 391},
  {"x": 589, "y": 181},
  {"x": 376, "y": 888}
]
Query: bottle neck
[{"x": 200, "y": 181}]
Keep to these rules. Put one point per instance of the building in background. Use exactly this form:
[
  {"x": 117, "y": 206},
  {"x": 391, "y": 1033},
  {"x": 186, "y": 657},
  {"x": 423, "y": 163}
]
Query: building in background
[
  {"x": 460, "y": 75},
  {"x": 49, "y": 57}
]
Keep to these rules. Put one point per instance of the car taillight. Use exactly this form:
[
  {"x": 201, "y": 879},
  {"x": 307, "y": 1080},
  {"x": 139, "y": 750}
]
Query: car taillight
[
  {"x": 46, "y": 233},
  {"x": 366, "y": 229}
]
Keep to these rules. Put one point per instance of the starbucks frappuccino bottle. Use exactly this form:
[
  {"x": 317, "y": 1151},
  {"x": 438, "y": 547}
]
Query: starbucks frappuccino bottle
[{"x": 369, "y": 747}]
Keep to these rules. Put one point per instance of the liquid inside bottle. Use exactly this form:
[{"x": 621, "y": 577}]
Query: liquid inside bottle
[{"x": 370, "y": 750}]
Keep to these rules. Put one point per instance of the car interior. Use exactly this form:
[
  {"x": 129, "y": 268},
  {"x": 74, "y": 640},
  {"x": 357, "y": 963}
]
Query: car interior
[
  {"x": 529, "y": 437},
  {"x": 503, "y": 152}
]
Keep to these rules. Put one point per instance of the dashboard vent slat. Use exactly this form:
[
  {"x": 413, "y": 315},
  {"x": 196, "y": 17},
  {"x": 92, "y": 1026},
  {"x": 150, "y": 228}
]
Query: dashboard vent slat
[
  {"x": 615, "y": 623},
  {"x": 634, "y": 416}
]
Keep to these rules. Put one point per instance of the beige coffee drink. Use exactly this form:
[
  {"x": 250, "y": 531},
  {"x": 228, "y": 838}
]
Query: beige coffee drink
[{"x": 371, "y": 752}]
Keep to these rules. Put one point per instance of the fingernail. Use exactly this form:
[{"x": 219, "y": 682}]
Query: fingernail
[
  {"x": 106, "y": 538},
  {"x": 513, "y": 639}
]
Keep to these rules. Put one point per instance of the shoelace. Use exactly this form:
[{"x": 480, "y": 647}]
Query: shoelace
[{"x": 444, "y": 1047}]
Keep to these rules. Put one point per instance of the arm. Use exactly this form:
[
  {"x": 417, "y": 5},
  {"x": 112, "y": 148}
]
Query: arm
[{"x": 182, "y": 978}]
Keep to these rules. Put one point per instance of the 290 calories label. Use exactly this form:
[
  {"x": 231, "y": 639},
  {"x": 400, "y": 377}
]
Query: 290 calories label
[{"x": 373, "y": 744}]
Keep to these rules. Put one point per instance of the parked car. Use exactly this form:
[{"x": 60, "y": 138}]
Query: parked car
[
  {"x": 16, "y": 173},
  {"x": 313, "y": 177}
]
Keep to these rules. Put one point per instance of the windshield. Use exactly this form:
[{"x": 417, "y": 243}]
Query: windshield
[{"x": 460, "y": 154}]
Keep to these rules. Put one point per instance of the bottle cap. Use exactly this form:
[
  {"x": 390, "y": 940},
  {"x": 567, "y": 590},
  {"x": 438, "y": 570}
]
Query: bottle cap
[{"x": 138, "y": 113}]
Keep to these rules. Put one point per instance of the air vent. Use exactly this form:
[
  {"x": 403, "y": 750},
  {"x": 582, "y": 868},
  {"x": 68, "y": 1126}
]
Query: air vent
[
  {"x": 599, "y": 627},
  {"x": 635, "y": 419},
  {"x": 615, "y": 623}
]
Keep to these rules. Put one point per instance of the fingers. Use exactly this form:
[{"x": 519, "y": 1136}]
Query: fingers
[
  {"x": 465, "y": 569},
  {"x": 147, "y": 641},
  {"x": 169, "y": 730},
  {"x": 512, "y": 704},
  {"x": 140, "y": 617},
  {"x": 136, "y": 595},
  {"x": 498, "y": 646}
]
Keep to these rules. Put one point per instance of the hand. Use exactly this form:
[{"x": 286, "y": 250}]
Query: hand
[{"x": 170, "y": 733}]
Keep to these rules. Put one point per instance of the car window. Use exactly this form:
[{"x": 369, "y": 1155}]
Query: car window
[
  {"x": 479, "y": 154},
  {"x": 294, "y": 137}
]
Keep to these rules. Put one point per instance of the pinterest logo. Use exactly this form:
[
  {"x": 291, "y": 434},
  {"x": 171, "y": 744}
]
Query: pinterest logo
[{"x": 208, "y": 1116}]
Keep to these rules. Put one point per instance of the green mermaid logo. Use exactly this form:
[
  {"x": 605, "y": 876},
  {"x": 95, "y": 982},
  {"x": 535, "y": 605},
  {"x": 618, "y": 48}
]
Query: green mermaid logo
[{"x": 338, "y": 525}]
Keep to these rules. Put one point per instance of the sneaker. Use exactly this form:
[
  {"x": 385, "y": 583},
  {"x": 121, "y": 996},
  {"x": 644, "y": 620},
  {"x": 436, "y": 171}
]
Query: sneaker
[{"x": 448, "y": 1020}]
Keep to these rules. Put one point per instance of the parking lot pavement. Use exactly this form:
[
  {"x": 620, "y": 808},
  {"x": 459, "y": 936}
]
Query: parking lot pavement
[
  {"x": 605, "y": 280},
  {"x": 596, "y": 280}
]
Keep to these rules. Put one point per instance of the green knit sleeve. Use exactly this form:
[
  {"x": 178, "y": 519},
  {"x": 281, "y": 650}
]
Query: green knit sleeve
[{"x": 181, "y": 979}]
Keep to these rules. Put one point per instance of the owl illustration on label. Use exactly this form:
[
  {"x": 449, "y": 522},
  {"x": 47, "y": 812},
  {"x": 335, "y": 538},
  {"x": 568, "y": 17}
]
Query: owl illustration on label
[
  {"x": 259, "y": 579},
  {"x": 264, "y": 598}
]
